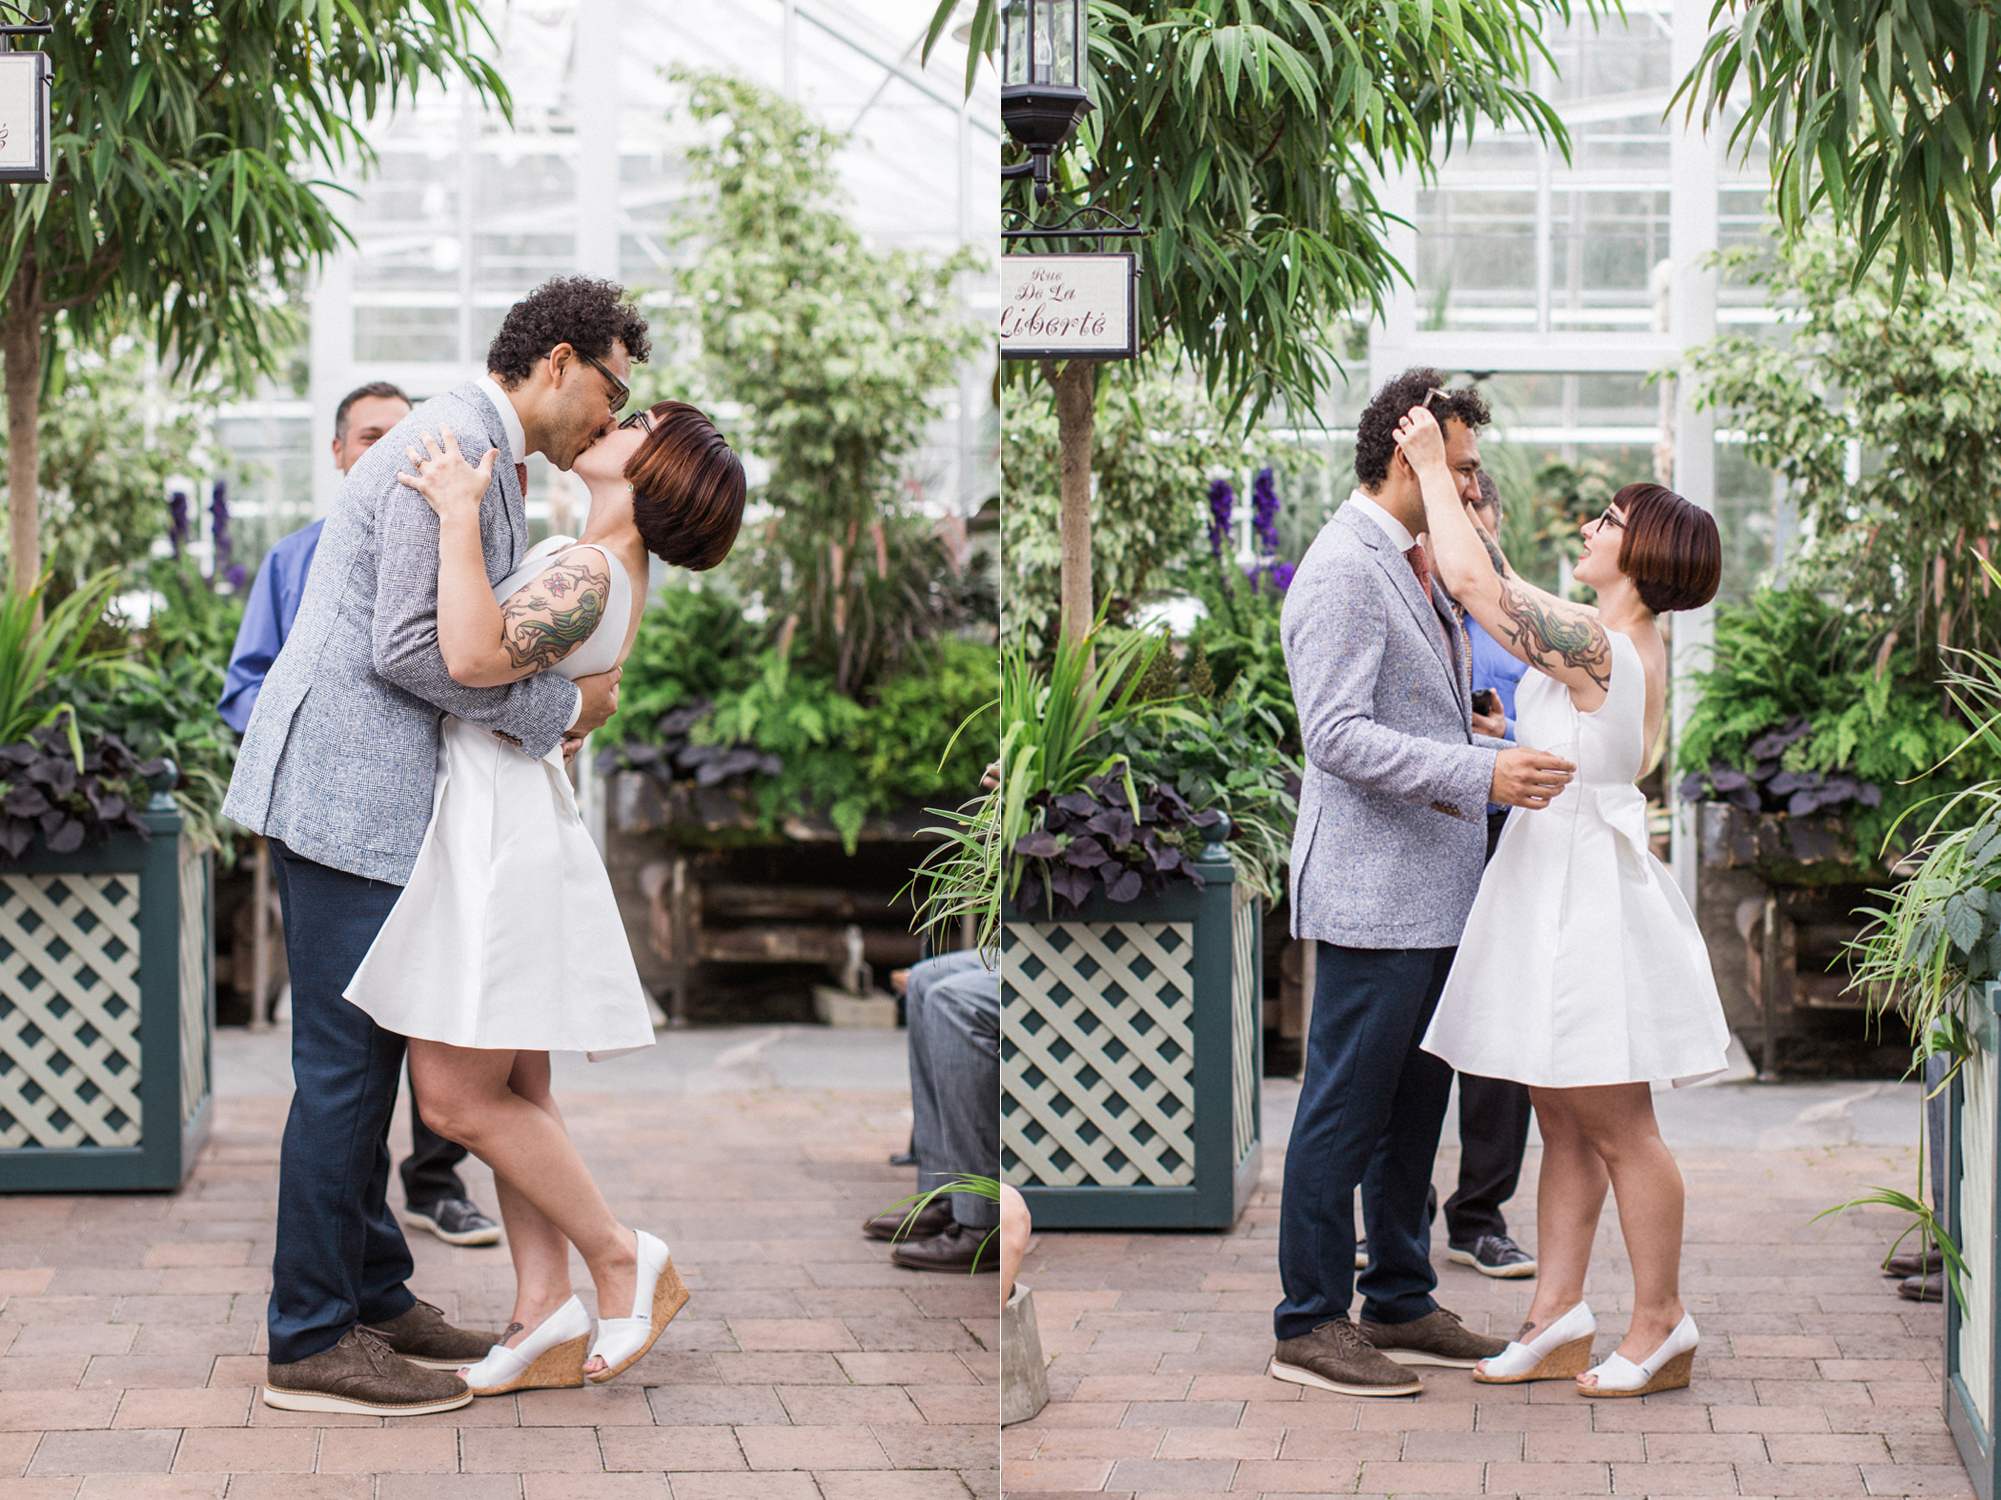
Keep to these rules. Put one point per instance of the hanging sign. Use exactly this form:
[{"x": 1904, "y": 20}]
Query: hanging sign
[
  {"x": 25, "y": 83},
  {"x": 1067, "y": 306}
]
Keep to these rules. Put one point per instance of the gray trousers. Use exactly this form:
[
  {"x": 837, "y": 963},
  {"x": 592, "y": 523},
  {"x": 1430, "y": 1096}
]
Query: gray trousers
[{"x": 952, "y": 1006}]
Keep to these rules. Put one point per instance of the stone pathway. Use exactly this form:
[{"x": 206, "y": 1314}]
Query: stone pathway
[
  {"x": 805, "y": 1367},
  {"x": 1813, "y": 1377}
]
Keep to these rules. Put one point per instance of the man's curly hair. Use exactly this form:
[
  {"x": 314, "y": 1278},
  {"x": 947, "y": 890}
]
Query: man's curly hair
[
  {"x": 1375, "y": 433},
  {"x": 587, "y": 314}
]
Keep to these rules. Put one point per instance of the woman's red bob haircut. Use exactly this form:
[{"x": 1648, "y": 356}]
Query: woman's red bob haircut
[
  {"x": 1669, "y": 548},
  {"x": 687, "y": 488}
]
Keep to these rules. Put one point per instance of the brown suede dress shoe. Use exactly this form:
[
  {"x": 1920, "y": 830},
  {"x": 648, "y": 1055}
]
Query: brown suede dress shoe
[
  {"x": 1335, "y": 1357},
  {"x": 1437, "y": 1338},
  {"x": 362, "y": 1374},
  {"x": 933, "y": 1218},
  {"x": 423, "y": 1337},
  {"x": 958, "y": 1249}
]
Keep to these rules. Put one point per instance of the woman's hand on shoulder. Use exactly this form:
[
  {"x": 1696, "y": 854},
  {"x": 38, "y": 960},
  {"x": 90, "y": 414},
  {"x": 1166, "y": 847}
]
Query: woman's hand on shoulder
[{"x": 451, "y": 486}]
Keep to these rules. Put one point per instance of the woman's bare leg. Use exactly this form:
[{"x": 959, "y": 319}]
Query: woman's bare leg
[
  {"x": 1618, "y": 1120},
  {"x": 1570, "y": 1195},
  {"x": 540, "y": 1251},
  {"x": 497, "y": 1104}
]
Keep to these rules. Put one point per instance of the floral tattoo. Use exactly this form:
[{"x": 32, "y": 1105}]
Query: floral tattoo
[
  {"x": 537, "y": 634},
  {"x": 1551, "y": 637}
]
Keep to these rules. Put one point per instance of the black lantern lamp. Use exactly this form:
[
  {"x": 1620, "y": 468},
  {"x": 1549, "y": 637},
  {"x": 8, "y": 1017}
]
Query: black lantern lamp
[{"x": 1042, "y": 81}]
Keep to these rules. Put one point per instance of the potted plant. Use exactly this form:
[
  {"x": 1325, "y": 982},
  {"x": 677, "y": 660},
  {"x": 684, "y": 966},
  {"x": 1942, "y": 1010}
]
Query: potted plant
[{"x": 106, "y": 994}]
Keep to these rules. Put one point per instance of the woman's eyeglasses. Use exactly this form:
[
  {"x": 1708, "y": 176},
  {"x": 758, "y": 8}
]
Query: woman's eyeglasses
[
  {"x": 1610, "y": 518},
  {"x": 642, "y": 419}
]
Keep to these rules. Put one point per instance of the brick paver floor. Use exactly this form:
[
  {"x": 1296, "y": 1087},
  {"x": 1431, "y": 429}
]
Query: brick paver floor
[
  {"x": 1813, "y": 1377},
  {"x": 805, "y": 1367}
]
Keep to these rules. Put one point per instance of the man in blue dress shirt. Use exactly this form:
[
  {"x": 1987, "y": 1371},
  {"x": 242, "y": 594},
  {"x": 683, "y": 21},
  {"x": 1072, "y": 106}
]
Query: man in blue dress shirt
[
  {"x": 434, "y": 1194},
  {"x": 1493, "y": 1112}
]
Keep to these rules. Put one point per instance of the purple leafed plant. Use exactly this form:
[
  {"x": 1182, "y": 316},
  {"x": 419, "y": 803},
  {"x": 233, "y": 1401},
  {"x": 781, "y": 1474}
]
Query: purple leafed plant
[
  {"x": 1094, "y": 841},
  {"x": 1222, "y": 506},
  {"x": 42, "y": 793},
  {"x": 1767, "y": 788}
]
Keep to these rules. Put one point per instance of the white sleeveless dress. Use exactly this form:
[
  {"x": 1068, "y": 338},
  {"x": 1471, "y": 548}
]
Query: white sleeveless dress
[
  {"x": 1581, "y": 963},
  {"x": 508, "y": 935}
]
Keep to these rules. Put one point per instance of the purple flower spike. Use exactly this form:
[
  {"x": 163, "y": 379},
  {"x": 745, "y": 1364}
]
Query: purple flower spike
[
  {"x": 1222, "y": 506},
  {"x": 177, "y": 511},
  {"x": 1264, "y": 510},
  {"x": 218, "y": 510}
]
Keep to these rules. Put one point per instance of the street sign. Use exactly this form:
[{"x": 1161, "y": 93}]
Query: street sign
[
  {"x": 25, "y": 84},
  {"x": 1068, "y": 306}
]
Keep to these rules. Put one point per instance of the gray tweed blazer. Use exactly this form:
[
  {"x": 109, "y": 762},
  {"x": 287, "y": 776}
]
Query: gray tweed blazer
[
  {"x": 341, "y": 752},
  {"x": 1393, "y": 807}
]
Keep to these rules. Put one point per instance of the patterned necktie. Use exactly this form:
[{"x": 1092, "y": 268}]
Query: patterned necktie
[
  {"x": 521, "y": 479},
  {"x": 1421, "y": 565}
]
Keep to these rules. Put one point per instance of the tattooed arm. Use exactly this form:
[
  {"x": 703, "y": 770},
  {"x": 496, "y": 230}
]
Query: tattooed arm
[
  {"x": 1556, "y": 637},
  {"x": 486, "y": 643}
]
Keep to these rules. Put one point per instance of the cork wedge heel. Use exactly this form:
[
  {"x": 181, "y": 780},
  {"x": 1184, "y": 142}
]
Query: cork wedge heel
[
  {"x": 1561, "y": 1351},
  {"x": 549, "y": 1359},
  {"x": 1668, "y": 1368}
]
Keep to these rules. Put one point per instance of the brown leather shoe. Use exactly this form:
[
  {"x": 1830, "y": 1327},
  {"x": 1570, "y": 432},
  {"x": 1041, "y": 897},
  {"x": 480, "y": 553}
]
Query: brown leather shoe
[
  {"x": 957, "y": 1249},
  {"x": 934, "y": 1218},
  {"x": 362, "y": 1374},
  {"x": 1437, "y": 1338},
  {"x": 423, "y": 1337},
  {"x": 1335, "y": 1357}
]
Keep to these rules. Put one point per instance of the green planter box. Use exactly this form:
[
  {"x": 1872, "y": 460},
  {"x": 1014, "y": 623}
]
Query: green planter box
[
  {"x": 1973, "y": 1187},
  {"x": 1132, "y": 1047},
  {"x": 107, "y": 1009}
]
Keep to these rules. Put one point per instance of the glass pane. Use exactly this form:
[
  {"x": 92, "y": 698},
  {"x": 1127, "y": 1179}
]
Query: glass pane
[
  {"x": 406, "y": 333},
  {"x": 1015, "y": 19}
]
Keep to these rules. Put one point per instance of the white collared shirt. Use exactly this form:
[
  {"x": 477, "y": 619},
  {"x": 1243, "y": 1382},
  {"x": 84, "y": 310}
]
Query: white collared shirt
[
  {"x": 1389, "y": 525},
  {"x": 510, "y": 420}
]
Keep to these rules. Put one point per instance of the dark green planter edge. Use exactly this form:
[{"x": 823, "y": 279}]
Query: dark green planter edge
[
  {"x": 168, "y": 1149},
  {"x": 1218, "y": 1198},
  {"x": 1970, "y": 1435}
]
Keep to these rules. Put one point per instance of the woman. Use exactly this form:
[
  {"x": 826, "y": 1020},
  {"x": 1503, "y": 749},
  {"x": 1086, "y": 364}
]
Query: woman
[
  {"x": 507, "y": 943},
  {"x": 1581, "y": 972}
]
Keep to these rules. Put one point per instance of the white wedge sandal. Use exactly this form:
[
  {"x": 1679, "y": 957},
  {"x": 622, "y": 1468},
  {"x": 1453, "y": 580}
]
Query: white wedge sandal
[
  {"x": 1560, "y": 1352},
  {"x": 1666, "y": 1369},
  {"x": 549, "y": 1359},
  {"x": 621, "y": 1342}
]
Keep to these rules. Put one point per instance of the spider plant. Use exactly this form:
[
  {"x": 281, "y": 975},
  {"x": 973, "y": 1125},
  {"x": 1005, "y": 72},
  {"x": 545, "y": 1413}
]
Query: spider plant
[
  {"x": 33, "y": 651},
  {"x": 981, "y": 1187},
  {"x": 1052, "y": 720}
]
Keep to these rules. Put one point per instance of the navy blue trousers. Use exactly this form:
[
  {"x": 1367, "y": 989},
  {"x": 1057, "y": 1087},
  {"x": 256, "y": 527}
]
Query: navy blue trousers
[
  {"x": 341, "y": 1258},
  {"x": 1369, "y": 1116}
]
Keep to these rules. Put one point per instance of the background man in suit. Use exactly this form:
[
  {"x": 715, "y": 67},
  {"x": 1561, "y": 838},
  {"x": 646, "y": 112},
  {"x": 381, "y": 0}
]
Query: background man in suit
[
  {"x": 434, "y": 1195},
  {"x": 337, "y": 771},
  {"x": 1386, "y": 860}
]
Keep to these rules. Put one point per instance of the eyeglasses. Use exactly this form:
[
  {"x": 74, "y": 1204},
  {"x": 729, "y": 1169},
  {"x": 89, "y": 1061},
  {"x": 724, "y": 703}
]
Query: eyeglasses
[
  {"x": 1609, "y": 519},
  {"x": 642, "y": 419},
  {"x": 1434, "y": 391},
  {"x": 620, "y": 391}
]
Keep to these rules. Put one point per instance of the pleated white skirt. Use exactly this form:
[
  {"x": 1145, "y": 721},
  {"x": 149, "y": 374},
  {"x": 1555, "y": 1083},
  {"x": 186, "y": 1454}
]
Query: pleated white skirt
[{"x": 508, "y": 935}]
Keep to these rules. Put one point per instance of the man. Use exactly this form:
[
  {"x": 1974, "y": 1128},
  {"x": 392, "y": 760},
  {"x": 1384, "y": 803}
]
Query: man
[
  {"x": 1385, "y": 864},
  {"x": 952, "y": 1009},
  {"x": 1493, "y": 1112},
  {"x": 434, "y": 1194},
  {"x": 336, "y": 772}
]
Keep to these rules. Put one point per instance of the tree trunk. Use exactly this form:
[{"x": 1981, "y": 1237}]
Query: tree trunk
[
  {"x": 1076, "y": 411},
  {"x": 21, "y": 343}
]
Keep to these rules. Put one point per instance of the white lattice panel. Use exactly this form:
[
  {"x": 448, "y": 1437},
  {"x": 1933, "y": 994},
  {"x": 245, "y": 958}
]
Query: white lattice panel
[
  {"x": 69, "y": 1010},
  {"x": 1976, "y": 1228},
  {"x": 1246, "y": 1021},
  {"x": 1097, "y": 1054},
  {"x": 194, "y": 980}
]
